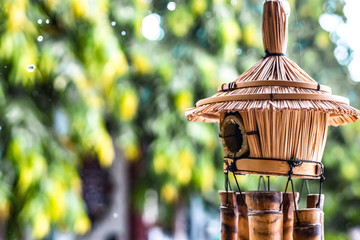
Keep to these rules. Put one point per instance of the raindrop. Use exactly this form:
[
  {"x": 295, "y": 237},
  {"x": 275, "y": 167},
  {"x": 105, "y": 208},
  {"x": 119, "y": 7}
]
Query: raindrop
[
  {"x": 113, "y": 23},
  {"x": 115, "y": 215},
  {"x": 171, "y": 6},
  {"x": 40, "y": 38},
  {"x": 30, "y": 68},
  {"x": 47, "y": 21},
  {"x": 123, "y": 33},
  {"x": 0, "y": 128},
  {"x": 39, "y": 21}
]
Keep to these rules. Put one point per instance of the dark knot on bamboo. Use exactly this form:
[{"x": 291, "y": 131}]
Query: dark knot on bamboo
[{"x": 275, "y": 26}]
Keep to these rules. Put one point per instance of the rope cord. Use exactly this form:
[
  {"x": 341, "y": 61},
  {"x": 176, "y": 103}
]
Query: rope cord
[
  {"x": 227, "y": 184},
  {"x": 268, "y": 177},
  {"x": 322, "y": 179},
  {"x": 232, "y": 169},
  {"x": 292, "y": 164},
  {"x": 261, "y": 178},
  {"x": 241, "y": 196},
  {"x": 269, "y": 54},
  {"x": 302, "y": 186}
]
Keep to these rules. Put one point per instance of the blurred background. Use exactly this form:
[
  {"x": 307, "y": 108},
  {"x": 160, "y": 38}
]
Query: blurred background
[{"x": 94, "y": 143}]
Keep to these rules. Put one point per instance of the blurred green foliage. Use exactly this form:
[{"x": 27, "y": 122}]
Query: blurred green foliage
[{"x": 77, "y": 78}]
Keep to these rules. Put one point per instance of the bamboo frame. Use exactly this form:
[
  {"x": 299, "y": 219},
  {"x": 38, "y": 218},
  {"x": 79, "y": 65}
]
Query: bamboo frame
[
  {"x": 262, "y": 83},
  {"x": 269, "y": 167}
]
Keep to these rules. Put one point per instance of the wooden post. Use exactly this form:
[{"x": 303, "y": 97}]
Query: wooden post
[
  {"x": 228, "y": 215},
  {"x": 288, "y": 214},
  {"x": 309, "y": 225},
  {"x": 264, "y": 215},
  {"x": 243, "y": 224},
  {"x": 312, "y": 200}
]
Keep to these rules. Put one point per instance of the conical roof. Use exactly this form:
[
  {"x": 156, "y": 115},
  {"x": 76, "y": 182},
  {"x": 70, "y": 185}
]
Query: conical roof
[{"x": 274, "y": 82}]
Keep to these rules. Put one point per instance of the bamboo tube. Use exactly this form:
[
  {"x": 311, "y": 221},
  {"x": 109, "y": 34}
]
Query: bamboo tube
[
  {"x": 264, "y": 215},
  {"x": 228, "y": 215},
  {"x": 312, "y": 200},
  {"x": 243, "y": 224},
  {"x": 309, "y": 225},
  {"x": 288, "y": 214}
]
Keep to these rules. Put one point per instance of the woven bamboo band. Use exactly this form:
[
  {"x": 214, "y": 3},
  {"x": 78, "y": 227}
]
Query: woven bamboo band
[
  {"x": 274, "y": 167},
  {"x": 282, "y": 83},
  {"x": 273, "y": 96}
]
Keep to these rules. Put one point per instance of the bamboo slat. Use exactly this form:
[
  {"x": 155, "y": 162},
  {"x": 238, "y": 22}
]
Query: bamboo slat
[
  {"x": 288, "y": 214},
  {"x": 228, "y": 215},
  {"x": 243, "y": 224},
  {"x": 273, "y": 168},
  {"x": 312, "y": 200},
  {"x": 258, "y": 83}
]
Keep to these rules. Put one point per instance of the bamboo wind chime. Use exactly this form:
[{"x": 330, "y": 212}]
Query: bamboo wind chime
[{"x": 273, "y": 122}]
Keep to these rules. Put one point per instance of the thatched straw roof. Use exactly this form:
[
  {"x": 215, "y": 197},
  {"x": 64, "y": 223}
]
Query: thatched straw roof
[{"x": 274, "y": 82}]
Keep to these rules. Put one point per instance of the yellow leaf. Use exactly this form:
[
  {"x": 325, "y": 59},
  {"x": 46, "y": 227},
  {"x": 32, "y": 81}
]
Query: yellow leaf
[
  {"x": 207, "y": 177},
  {"x": 160, "y": 163},
  {"x": 169, "y": 192},
  {"x": 251, "y": 36},
  {"x": 186, "y": 158},
  {"x": 82, "y": 225},
  {"x": 180, "y": 21},
  {"x": 230, "y": 31},
  {"x": 57, "y": 201},
  {"x": 41, "y": 225},
  {"x": 131, "y": 151},
  {"x": 128, "y": 105},
  {"x": 25, "y": 178},
  {"x": 142, "y": 64},
  {"x": 183, "y": 100},
  {"x": 79, "y": 7},
  {"x": 184, "y": 175},
  {"x": 322, "y": 39},
  {"x": 105, "y": 149},
  {"x": 198, "y": 7},
  {"x": 4, "y": 209}
]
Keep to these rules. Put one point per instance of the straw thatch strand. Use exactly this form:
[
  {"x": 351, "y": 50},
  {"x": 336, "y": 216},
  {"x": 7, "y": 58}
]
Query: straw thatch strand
[
  {"x": 298, "y": 89},
  {"x": 285, "y": 113}
]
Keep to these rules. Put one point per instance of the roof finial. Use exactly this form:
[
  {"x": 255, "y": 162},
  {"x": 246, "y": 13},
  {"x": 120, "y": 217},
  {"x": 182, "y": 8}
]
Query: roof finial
[{"x": 275, "y": 26}]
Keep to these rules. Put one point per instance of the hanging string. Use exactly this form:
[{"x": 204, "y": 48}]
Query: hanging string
[
  {"x": 322, "y": 179},
  {"x": 292, "y": 164},
  {"x": 227, "y": 187},
  {"x": 232, "y": 168},
  {"x": 302, "y": 186},
  {"x": 261, "y": 178},
  {"x": 237, "y": 184},
  {"x": 268, "y": 177}
]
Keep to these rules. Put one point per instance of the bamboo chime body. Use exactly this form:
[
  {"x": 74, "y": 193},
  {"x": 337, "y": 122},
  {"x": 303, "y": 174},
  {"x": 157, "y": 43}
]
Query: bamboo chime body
[{"x": 273, "y": 121}]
